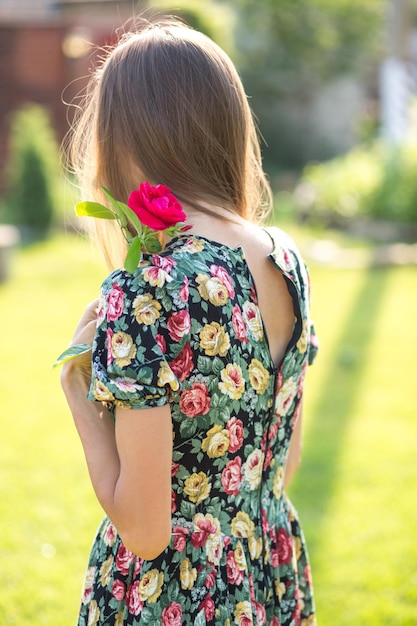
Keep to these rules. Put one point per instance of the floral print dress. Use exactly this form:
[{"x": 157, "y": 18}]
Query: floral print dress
[{"x": 186, "y": 329}]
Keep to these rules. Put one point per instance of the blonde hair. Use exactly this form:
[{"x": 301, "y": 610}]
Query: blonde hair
[{"x": 168, "y": 106}]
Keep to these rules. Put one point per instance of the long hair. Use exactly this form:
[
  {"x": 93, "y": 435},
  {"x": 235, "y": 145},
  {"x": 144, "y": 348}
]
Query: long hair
[{"x": 168, "y": 106}]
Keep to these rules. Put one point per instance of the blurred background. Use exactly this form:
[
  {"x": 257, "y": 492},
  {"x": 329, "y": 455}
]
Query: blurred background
[{"x": 333, "y": 84}]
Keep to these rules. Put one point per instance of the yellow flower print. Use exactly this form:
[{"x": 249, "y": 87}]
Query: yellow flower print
[
  {"x": 93, "y": 614},
  {"x": 253, "y": 320},
  {"x": 309, "y": 621},
  {"x": 188, "y": 574},
  {"x": 156, "y": 276},
  {"x": 286, "y": 395},
  {"x": 146, "y": 309},
  {"x": 278, "y": 482},
  {"x": 253, "y": 468},
  {"x": 233, "y": 382},
  {"x": 298, "y": 547},
  {"x": 239, "y": 555},
  {"x": 150, "y": 587},
  {"x": 123, "y": 349},
  {"x": 279, "y": 589},
  {"x": 197, "y": 487},
  {"x": 242, "y": 525},
  {"x": 216, "y": 443},
  {"x": 105, "y": 571},
  {"x": 191, "y": 246},
  {"x": 214, "y": 339},
  {"x": 255, "y": 547},
  {"x": 119, "y": 618},
  {"x": 243, "y": 613},
  {"x": 214, "y": 548},
  {"x": 258, "y": 376},
  {"x": 212, "y": 289},
  {"x": 101, "y": 393},
  {"x": 302, "y": 343},
  {"x": 167, "y": 377}
]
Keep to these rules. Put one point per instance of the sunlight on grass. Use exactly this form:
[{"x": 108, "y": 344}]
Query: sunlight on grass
[{"x": 354, "y": 491}]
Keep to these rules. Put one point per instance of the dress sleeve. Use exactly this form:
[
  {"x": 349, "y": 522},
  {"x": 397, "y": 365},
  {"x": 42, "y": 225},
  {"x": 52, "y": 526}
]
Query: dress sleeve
[
  {"x": 133, "y": 343},
  {"x": 313, "y": 345}
]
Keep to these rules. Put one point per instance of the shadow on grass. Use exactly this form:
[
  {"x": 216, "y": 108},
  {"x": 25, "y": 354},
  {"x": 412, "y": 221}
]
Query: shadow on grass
[{"x": 325, "y": 436}]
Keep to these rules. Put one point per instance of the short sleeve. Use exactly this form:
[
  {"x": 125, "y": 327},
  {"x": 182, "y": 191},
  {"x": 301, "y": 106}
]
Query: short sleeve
[
  {"x": 130, "y": 361},
  {"x": 313, "y": 345}
]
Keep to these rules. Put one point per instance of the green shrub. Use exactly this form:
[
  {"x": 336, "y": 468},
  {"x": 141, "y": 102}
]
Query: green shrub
[
  {"x": 375, "y": 180},
  {"x": 32, "y": 171}
]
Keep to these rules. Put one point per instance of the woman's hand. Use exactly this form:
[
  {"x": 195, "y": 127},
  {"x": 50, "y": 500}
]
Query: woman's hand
[{"x": 80, "y": 366}]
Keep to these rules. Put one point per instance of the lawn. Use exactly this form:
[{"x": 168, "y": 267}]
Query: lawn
[{"x": 355, "y": 491}]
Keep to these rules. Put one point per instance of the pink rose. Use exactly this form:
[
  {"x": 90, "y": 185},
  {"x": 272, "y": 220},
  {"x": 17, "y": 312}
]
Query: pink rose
[
  {"x": 209, "y": 607},
  {"x": 195, "y": 400},
  {"x": 260, "y": 614},
  {"x": 124, "y": 558},
  {"x": 210, "y": 578},
  {"x": 184, "y": 291},
  {"x": 284, "y": 542},
  {"x": 156, "y": 207},
  {"x": 179, "y": 324},
  {"x": 172, "y": 615},
  {"x": 174, "y": 468},
  {"x": 173, "y": 501},
  {"x": 205, "y": 528},
  {"x": 183, "y": 363},
  {"x": 235, "y": 428},
  {"x": 234, "y": 574},
  {"x": 232, "y": 476},
  {"x": 118, "y": 590},
  {"x": 115, "y": 303},
  {"x": 133, "y": 601},
  {"x": 238, "y": 324},
  {"x": 165, "y": 263},
  {"x": 274, "y": 557},
  {"x": 224, "y": 277},
  {"x": 307, "y": 574}
]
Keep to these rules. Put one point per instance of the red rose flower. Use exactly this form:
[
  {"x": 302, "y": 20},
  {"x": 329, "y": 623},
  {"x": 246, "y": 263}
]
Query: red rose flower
[
  {"x": 133, "y": 601},
  {"x": 184, "y": 290},
  {"x": 195, "y": 400},
  {"x": 209, "y": 607},
  {"x": 115, "y": 303},
  {"x": 180, "y": 541},
  {"x": 124, "y": 558},
  {"x": 235, "y": 428},
  {"x": 238, "y": 324},
  {"x": 156, "y": 207},
  {"x": 172, "y": 615},
  {"x": 220, "y": 273},
  {"x": 179, "y": 324},
  {"x": 234, "y": 574},
  {"x": 118, "y": 590},
  {"x": 183, "y": 364},
  {"x": 232, "y": 476},
  {"x": 161, "y": 343},
  {"x": 284, "y": 547}
]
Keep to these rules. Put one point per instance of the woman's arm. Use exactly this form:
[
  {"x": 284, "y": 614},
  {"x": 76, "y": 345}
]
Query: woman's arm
[
  {"x": 294, "y": 452},
  {"x": 130, "y": 463}
]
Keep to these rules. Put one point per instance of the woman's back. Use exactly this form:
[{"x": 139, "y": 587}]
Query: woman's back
[{"x": 236, "y": 542}]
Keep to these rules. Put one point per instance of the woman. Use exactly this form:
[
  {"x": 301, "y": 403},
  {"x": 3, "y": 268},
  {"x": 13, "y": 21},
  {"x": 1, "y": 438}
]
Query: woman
[{"x": 199, "y": 356}]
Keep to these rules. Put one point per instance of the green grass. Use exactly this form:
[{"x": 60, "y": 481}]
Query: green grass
[{"x": 355, "y": 491}]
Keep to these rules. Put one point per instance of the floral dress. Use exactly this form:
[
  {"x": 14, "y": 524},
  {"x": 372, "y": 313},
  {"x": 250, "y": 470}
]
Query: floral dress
[{"x": 185, "y": 329}]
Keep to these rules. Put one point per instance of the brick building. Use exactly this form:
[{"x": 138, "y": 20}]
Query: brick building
[{"x": 46, "y": 52}]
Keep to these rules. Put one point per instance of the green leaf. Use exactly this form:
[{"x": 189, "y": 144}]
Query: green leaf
[
  {"x": 124, "y": 212},
  {"x": 94, "y": 209},
  {"x": 152, "y": 244},
  {"x": 71, "y": 353},
  {"x": 133, "y": 255}
]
